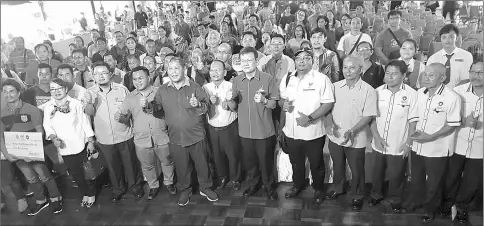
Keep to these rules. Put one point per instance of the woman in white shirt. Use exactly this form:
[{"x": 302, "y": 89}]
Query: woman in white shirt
[{"x": 66, "y": 124}]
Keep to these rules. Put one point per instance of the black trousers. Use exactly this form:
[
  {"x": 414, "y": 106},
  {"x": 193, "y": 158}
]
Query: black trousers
[
  {"x": 183, "y": 158},
  {"x": 427, "y": 179},
  {"x": 298, "y": 150},
  {"x": 124, "y": 167},
  {"x": 356, "y": 161},
  {"x": 462, "y": 180},
  {"x": 74, "y": 166},
  {"x": 258, "y": 157},
  {"x": 397, "y": 166},
  {"x": 225, "y": 145}
]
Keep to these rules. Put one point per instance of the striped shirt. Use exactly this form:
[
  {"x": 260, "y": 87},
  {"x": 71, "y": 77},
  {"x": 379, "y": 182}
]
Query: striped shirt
[{"x": 20, "y": 59}]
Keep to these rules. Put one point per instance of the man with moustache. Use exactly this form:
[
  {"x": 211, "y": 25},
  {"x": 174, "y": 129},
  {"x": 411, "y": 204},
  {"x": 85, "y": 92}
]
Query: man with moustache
[
  {"x": 307, "y": 97},
  {"x": 184, "y": 103},
  {"x": 151, "y": 138},
  {"x": 439, "y": 115}
]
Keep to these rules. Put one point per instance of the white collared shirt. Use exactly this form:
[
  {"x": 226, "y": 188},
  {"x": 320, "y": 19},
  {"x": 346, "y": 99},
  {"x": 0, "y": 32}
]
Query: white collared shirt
[
  {"x": 460, "y": 64},
  {"x": 347, "y": 42},
  {"x": 411, "y": 64},
  {"x": 469, "y": 141},
  {"x": 434, "y": 112},
  {"x": 395, "y": 112},
  {"x": 74, "y": 128},
  {"x": 217, "y": 116},
  {"x": 307, "y": 95}
]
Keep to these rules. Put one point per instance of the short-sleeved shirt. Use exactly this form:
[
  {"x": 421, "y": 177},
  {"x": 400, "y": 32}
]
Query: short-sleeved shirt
[
  {"x": 217, "y": 116},
  {"x": 36, "y": 96},
  {"x": 434, "y": 112},
  {"x": 21, "y": 59},
  {"x": 469, "y": 141},
  {"x": 185, "y": 123},
  {"x": 22, "y": 119},
  {"x": 31, "y": 71},
  {"x": 347, "y": 42},
  {"x": 460, "y": 64},
  {"x": 149, "y": 131},
  {"x": 109, "y": 131},
  {"x": 395, "y": 112},
  {"x": 277, "y": 68},
  {"x": 307, "y": 95},
  {"x": 255, "y": 119},
  {"x": 351, "y": 105},
  {"x": 387, "y": 42}
]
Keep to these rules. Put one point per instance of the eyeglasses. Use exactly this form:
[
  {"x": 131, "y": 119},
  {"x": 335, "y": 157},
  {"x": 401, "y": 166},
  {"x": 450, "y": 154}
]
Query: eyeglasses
[
  {"x": 247, "y": 61},
  {"x": 103, "y": 74},
  {"x": 303, "y": 59},
  {"x": 477, "y": 73},
  {"x": 56, "y": 90}
]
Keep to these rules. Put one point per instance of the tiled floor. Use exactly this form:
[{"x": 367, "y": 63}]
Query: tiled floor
[{"x": 231, "y": 209}]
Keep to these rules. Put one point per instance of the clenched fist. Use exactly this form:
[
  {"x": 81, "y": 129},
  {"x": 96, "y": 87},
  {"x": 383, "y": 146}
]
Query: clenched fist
[
  {"x": 193, "y": 101},
  {"x": 230, "y": 95}
]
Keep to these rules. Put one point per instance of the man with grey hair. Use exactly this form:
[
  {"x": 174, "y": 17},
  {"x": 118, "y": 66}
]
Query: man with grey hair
[{"x": 347, "y": 126}]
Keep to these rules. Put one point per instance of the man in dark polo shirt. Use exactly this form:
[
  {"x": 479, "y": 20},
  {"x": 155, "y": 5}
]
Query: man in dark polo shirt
[
  {"x": 184, "y": 104},
  {"x": 254, "y": 95}
]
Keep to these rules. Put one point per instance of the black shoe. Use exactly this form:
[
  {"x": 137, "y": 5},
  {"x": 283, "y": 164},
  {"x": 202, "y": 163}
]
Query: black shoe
[
  {"x": 396, "y": 207},
  {"x": 427, "y": 218},
  {"x": 374, "y": 202},
  {"x": 332, "y": 195},
  {"x": 38, "y": 207},
  {"x": 445, "y": 210},
  {"x": 153, "y": 193},
  {"x": 171, "y": 188},
  {"x": 222, "y": 183},
  {"x": 461, "y": 217},
  {"x": 318, "y": 197},
  {"x": 116, "y": 198},
  {"x": 357, "y": 204},
  {"x": 271, "y": 193},
  {"x": 140, "y": 193},
  {"x": 56, "y": 206},
  {"x": 292, "y": 192},
  {"x": 236, "y": 185},
  {"x": 252, "y": 190}
]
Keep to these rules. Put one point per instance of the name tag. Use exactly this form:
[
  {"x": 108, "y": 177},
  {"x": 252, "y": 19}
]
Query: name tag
[
  {"x": 459, "y": 60},
  {"x": 309, "y": 89}
]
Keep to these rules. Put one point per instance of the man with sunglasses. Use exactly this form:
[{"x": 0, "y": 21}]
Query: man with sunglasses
[{"x": 307, "y": 98}]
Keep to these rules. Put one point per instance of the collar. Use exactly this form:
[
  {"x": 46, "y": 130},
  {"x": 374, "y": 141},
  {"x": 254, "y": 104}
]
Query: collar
[
  {"x": 20, "y": 104},
  {"x": 456, "y": 49},
  {"x": 75, "y": 87},
  {"x": 357, "y": 84},
  {"x": 151, "y": 90},
  {"x": 85, "y": 70},
  {"x": 470, "y": 89},
  {"x": 109, "y": 90},
  {"x": 402, "y": 87},
  {"x": 186, "y": 83},
  {"x": 439, "y": 91},
  {"x": 410, "y": 62},
  {"x": 256, "y": 76}
]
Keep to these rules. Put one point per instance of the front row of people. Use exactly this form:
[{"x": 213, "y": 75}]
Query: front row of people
[{"x": 440, "y": 129}]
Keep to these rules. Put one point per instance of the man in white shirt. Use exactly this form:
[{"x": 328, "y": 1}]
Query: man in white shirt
[
  {"x": 391, "y": 128},
  {"x": 307, "y": 98},
  {"x": 468, "y": 146},
  {"x": 348, "y": 43},
  {"x": 439, "y": 114},
  {"x": 65, "y": 72},
  {"x": 223, "y": 127},
  {"x": 347, "y": 125},
  {"x": 456, "y": 60}
]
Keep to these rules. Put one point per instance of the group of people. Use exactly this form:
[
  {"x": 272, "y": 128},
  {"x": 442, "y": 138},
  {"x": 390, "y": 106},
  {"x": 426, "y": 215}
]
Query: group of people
[{"x": 209, "y": 104}]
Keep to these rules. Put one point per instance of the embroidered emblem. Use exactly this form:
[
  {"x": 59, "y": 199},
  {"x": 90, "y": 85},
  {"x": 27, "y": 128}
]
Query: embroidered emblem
[
  {"x": 310, "y": 84},
  {"x": 441, "y": 103},
  {"x": 23, "y": 118}
]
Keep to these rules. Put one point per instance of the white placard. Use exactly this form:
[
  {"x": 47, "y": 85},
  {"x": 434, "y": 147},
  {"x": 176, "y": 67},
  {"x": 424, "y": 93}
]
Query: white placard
[{"x": 25, "y": 145}]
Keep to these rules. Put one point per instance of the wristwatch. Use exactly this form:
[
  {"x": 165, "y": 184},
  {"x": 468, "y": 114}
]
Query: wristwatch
[{"x": 310, "y": 118}]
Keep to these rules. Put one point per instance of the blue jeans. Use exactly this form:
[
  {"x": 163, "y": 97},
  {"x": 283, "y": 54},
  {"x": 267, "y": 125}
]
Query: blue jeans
[
  {"x": 8, "y": 178},
  {"x": 37, "y": 173}
]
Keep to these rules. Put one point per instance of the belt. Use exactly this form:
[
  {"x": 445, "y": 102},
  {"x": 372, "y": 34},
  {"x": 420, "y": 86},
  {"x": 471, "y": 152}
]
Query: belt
[{"x": 223, "y": 127}]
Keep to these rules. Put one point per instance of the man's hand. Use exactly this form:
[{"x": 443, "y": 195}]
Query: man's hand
[
  {"x": 27, "y": 159},
  {"x": 57, "y": 142},
  {"x": 421, "y": 137},
  {"x": 213, "y": 99},
  {"x": 193, "y": 101},
  {"x": 348, "y": 136},
  {"x": 230, "y": 95},
  {"x": 90, "y": 147},
  {"x": 380, "y": 143},
  {"x": 259, "y": 98},
  {"x": 87, "y": 98},
  {"x": 405, "y": 149},
  {"x": 11, "y": 158},
  {"x": 332, "y": 130},
  {"x": 303, "y": 120},
  {"x": 287, "y": 106},
  {"x": 117, "y": 116},
  {"x": 143, "y": 102},
  {"x": 470, "y": 120}
]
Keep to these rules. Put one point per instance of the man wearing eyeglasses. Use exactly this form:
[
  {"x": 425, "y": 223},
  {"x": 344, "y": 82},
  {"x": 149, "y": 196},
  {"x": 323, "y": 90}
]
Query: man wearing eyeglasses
[
  {"x": 307, "y": 97},
  {"x": 347, "y": 126},
  {"x": 467, "y": 158},
  {"x": 438, "y": 117},
  {"x": 115, "y": 138}
]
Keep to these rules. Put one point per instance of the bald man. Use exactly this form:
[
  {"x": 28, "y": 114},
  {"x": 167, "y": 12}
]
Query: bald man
[
  {"x": 224, "y": 54},
  {"x": 198, "y": 72},
  {"x": 438, "y": 116}
]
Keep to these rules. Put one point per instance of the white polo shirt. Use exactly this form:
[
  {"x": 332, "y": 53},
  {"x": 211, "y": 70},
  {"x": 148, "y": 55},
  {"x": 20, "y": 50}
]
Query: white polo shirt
[
  {"x": 217, "y": 116},
  {"x": 469, "y": 141},
  {"x": 352, "y": 104},
  {"x": 433, "y": 113},
  {"x": 307, "y": 95},
  {"x": 460, "y": 64},
  {"x": 395, "y": 112}
]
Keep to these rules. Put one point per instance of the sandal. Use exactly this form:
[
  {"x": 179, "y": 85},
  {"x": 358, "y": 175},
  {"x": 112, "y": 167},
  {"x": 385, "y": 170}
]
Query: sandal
[{"x": 90, "y": 202}]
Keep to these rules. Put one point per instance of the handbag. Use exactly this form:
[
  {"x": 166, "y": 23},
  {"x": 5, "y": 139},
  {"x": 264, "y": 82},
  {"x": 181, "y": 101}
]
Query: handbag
[
  {"x": 93, "y": 165},
  {"x": 394, "y": 54}
]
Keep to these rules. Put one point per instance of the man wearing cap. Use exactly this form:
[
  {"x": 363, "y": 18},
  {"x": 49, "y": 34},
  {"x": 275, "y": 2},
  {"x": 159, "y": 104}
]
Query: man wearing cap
[
  {"x": 439, "y": 114},
  {"x": 253, "y": 96},
  {"x": 347, "y": 125},
  {"x": 307, "y": 96}
]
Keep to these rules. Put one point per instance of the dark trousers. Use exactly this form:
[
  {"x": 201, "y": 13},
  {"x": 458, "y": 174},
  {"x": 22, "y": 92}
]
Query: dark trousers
[
  {"x": 463, "y": 179},
  {"x": 298, "y": 150},
  {"x": 356, "y": 161},
  {"x": 74, "y": 167},
  {"x": 225, "y": 145},
  {"x": 427, "y": 179},
  {"x": 258, "y": 157},
  {"x": 397, "y": 166},
  {"x": 124, "y": 167},
  {"x": 9, "y": 179},
  {"x": 183, "y": 157}
]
